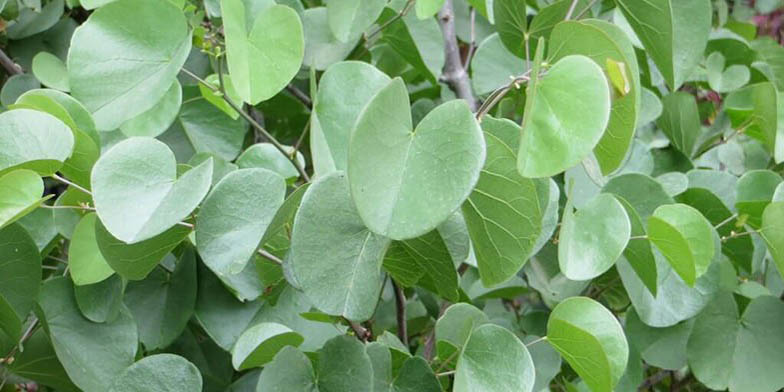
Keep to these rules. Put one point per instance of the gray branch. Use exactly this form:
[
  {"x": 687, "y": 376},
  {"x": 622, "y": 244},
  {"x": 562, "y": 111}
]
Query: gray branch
[{"x": 454, "y": 73}]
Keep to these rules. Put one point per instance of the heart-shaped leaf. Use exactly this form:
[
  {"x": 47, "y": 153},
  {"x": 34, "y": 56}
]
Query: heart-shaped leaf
[
  {"x": 291, "y": 370},
  {"x": 593, "y": 238},
  {"x": 685, "y": 238},
  {"x": 499, "y": 202},
  {"x": 494, "y": 360},
  {"x": 638, "y": 251},
  {"x": 125, "y": 57},
  {"x": 234, "y": 217},
  {"x": 674, "y": 32},
  {"x": 264, "y": 48},
  {"x": 260, "y": 343},
  {"x": 136, "y": 192},
  {"x": 344, "y": 366},
  {"x": 591, "y": 340},
  {"x": 158, "y": 118},
  {"x": 84, "y": 256},
  {"x": 348, "y": 19},
  {"x": 33, "y": 140},
  {"x": 566, "y": 116},
  {"x": 159, "y": 372},
  {"x": 454, "y": 328},
  {"x": 20, "y": 193},
  {"x": 405, "y": 181},
  {"x": 335, "y": 258},
  {"x": 511, "y": 20},
  {"x": 101, "y": 302},
  {"x": 725, "y": 80}
]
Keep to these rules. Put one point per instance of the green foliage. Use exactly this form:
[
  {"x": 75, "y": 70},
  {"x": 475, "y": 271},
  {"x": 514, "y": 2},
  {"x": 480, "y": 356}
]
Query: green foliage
[{"x": 391, "y": 195}]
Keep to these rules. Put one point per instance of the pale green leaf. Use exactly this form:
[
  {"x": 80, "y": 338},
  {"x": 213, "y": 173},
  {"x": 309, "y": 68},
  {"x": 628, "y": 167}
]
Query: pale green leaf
[
  {"x": 348, "y": 19},
  {"x": 685, "y": 238},
  {"x": 259, "y": 344},
  {"x": 85, "y": 260},
  {"x": 160, "y": 372},
  {"x": 50, "y": 70},
  {"x": 158, "y": 118},
  {"x": 494, "y": 360},
  {"x": 33, "y": 140}
]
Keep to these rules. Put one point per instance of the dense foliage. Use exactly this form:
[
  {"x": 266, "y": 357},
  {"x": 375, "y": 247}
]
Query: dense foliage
[{"x": 404, "y": 195}]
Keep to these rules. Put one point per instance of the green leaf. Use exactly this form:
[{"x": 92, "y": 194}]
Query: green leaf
[
  {"x": 322, "y": 49},
  {"x": 493, "y": 65},
  {"x": 454, "y": 328},
  {"x": 51, "y": 71},
  {"x": 344, "y": 366},
  {"x": 680, "y": 121},
  {"x": 750, "y": 348},
  {"x": 163, "y": 302},
  {"x": 217, "y": 97},
  {"x": 418, "y": 41},
  {"x": 22, "y": 190},
  {"x": 101, "y": 302},
  {"x": 125, "y": 57},
  {"x": 547, "y": 361},
  {"x": 427, "y": 8},
  {"x": 772, "y": 231},
  {"x": 234, "y": 217},
  {"x": 158, "y": 118},
  {"x": 266, "y": 156},
  {"x": 391, "y": 165},
  {"x": 675, "y": 301},
  {"x": 429, "y": 254},
  {"x": 208, "y": 129},
  {"x": 755, "y": 191},
  {"x": 33, "y": 140},
  {"x": 499, "y": 202},
  {"x": 136, "y": 192},
  {"x": 755, "y": 110},
  {"x": 93, "y": 354},
  {"x": 591, "y": 340},
  {"x": 39, "y": 362},
  {"x": 87, "y": 264},
  {"x": 638, "y": 251},
  {"x": 335, "y": 259},
  {"x": 416, "y": 376},
  {"x": 592, "y": 239},
  {"x": 685, "y": 238},
  {"x": 512, "y": 22},
  {"x": 160, "y": 372},
  {"x": 725, "y": 80},
  {"x": 33, "y": 21},
  {"x": 494, "y": 359},
  {"x": 135, "y": 261},
  {"x": 260, "y": 343},
  {"x": 10, "y": 326},
  {"x": 291, "y": 371},
  {"x": 607, "y": 46},
  {"x": 642, "y": 192},
  {"x": 17, "y": 85},
  {"x": 265, "y": 54},
  {"x": 350, "y": 18},
  {"x": 344, "y": 90},
  {"x": 567, "y": 115},
  {"x": 675, "y": 34},
  {"x": 661, "y": 347},
  {"x": 20, "y": 270}
]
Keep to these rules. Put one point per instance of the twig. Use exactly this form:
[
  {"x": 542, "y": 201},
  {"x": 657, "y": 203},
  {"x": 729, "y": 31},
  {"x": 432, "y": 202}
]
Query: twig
[
  {"x": 499, "y": 94},
  {"x": 250, "y": 120},
  {"x": 571, "y": 9},
  {"x": 186, "y": 224},
  {"x": 64, "y": 181},
  {"x": 733, "y": 234},
  {"x": 454, "y": 73},
  {"x": 653, "y": 380},
  {"x": 301, "y": 138},
  {"x": 301, "y": 96},
  {"x": 400, "y": 304},
  {"x": 472, "y": 44},
  {"x": 728, "y": 220},
  {"x": 26, "y": 335},
  {"x": 10, "y": 66},
  {"x": 269, "y": 256},
  {"x": 445, "y": 373},
  {"x": 84, "y": 208},
  {"x": 362, "y": 333},
  {"x": 638, "y": 237},
  {"x": 588, "y": 8},
  {"x": 430, "y": 341},
  {"x": 402, "y": 13}
]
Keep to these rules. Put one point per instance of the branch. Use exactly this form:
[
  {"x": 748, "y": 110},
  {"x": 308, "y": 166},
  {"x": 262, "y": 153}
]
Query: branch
[
  {"x": 454, "y": 74},
  {"x": 571, "y": 9},
  {"x": 301, "y": 96},
  {"x": 269, "y": 256},
  {"x": 407, "y": 7},
  {"x": 362, "y": 333},
  {"x": 10, "y": 66},
  {"x": 400, "y": 303}
]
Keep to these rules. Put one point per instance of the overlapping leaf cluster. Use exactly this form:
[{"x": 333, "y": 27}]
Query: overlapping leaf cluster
[{"x": 413, "y": 195}]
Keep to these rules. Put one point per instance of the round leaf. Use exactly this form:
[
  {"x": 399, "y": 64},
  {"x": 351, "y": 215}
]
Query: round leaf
[
  {"x": 685, "y": 238},
  {"x": 336, "y": 260},
  {"x": 494, "y": 359},
  {"x": 404, "y": 181},
  {"x": 158, "y": 118},
  {"x": 234, "y": 217},
  {"x": 136, "y": 192},
  {"x": 50, "y": 70},
  {"x": 125, "y": 57},
  {"x": 260, "y": 343},
  {"x": 593, "y": 238},
  {"x": 84, "y": 256},
  {"x": 20, "y": 193},
  {"x": 291, "y": 370},
  {"x": 565, "y": 118},
  {"x": 33, "y": 140},
  {"x": 160, "y": 372},
  {"x": 591, "y": 340}
]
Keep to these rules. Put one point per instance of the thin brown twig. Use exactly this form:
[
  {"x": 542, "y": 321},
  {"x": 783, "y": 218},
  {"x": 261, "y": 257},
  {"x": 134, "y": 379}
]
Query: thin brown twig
[
  {"x": 300, "y": 95},
  {"x": 400, "y": 305},
  {"x": 360, "y": 331},
  {"x": 10, "y": 66}
]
